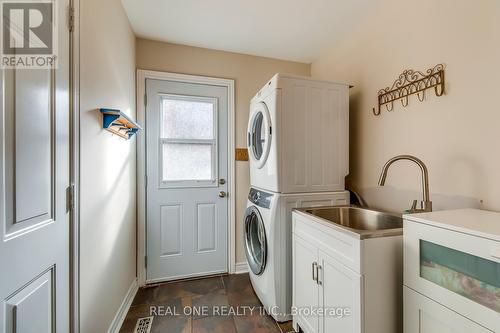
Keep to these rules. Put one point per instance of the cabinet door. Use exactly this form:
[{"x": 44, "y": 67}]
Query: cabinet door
[
  {"x": 340, "y": 297},
  {"x": 423, "y": 315},
  {"x": 305, "y": 287}
]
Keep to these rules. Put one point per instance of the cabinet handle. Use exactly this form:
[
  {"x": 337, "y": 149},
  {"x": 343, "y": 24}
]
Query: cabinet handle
[
  {"x": 318, "y": 269},
  {"x": 315, "y": 271}
]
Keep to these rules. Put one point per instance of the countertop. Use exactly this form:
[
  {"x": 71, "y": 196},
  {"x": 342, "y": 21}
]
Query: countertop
[{"x": 470, "y": 221}]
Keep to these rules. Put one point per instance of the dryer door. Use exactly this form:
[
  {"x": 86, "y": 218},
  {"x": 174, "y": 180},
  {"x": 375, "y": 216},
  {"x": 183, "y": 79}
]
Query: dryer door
[
  {"x": 255, "y": 240},
  {"x": 259, "y": 134}
]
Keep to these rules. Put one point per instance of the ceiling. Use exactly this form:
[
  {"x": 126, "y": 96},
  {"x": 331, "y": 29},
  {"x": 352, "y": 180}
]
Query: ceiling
[{"x": 298, "y": 30}]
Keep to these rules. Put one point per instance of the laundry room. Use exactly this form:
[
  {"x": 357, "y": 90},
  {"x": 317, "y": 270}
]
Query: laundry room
[{"x": 277, "y": 166}]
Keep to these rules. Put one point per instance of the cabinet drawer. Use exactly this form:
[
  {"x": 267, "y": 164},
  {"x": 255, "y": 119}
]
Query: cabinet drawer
[
  {"x": 460, "y": 271},
  {"x": 343, "y": 248},
  {"x": 423, "y": 315}
]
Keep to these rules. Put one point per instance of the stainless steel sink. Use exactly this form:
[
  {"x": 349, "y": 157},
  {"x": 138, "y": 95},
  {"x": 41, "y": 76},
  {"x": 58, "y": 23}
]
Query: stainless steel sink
[{"x": 364, "y": 222}]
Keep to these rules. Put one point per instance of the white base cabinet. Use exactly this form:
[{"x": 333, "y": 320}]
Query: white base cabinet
[
  {"x": 305, "y": 286},
  {"x": 342, "y": 283},
  {"x": 423, "y": 315},
  {"x": 339, "y": 295},
  {"x": 452, "y": 272}
]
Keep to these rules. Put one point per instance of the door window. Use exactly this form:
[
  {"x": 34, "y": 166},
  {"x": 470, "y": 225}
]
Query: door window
[{"x": 188, "y": 141}]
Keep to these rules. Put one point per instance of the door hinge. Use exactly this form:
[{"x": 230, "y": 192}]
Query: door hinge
[
  {"x": 71, "y": 18},
  {"x": 146, "y": 261},
  {"x": 146, "y": 181},
  {"x": 145, "y": 99},
  {"x": 70, "y": 198}
]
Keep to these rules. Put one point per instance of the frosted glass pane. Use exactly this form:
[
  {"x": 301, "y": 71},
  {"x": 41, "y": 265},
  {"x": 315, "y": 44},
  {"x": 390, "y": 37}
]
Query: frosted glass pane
[
  {"x": 187, "y": 119},
  {"x": 473, "y": 277},
  {"x": 183, "y": 161}
]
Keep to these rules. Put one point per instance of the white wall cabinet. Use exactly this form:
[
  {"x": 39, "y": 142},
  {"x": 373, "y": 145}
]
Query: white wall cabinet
[{"x": 338, "y": 286}]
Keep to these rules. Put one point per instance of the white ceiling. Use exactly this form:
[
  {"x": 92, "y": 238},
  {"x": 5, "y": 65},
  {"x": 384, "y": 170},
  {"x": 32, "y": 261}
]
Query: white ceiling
[{"x": 299, "y": 30}]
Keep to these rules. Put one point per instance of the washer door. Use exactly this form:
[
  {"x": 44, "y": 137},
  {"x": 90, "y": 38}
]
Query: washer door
[
  {"x": 259, "y": 135},
  {"x": 255, "y": 240}
]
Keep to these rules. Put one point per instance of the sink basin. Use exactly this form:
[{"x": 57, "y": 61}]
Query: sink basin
[{"x": 364, "y": 222}]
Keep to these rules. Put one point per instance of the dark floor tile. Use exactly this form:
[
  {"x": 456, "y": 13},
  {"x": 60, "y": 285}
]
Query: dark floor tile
[
  {"x": 219, "y": 324},
  {"x": 144, "y": 295},
  {"x": 244, "y": 296},
  {"x": 178, "y": 324},
  {"x": 286, "y": 327},
  {"x": 236, "y": 282},
  {"x": 209, "y": 304},
  {"x": 190, "y": 288},
  {"x": 170, "y": 318},
  {"x": 240, "y": 291},
  {"x": 133, "y": 314},
  {"x": 256, "y": 323},
  {"x": 233, "y": 292},
  {"x": 180, "y": 289}
]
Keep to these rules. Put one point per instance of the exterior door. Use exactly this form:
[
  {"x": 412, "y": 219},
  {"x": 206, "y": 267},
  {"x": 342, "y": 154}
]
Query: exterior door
[
  {"x": 187, "y": 168},
  {"x": 34, "y": 177}
]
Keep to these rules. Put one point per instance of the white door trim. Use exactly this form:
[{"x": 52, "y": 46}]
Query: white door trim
[
  {"x": 142, "y": 75},
  {"x": 75, "y": 168}
]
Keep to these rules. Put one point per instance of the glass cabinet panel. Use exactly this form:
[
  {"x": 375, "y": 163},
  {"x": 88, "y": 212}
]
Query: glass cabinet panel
[{"x": 473, "y": 277}]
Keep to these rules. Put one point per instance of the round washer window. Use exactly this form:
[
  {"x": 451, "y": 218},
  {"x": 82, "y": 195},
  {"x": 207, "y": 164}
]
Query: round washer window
[{"x": 255, "y": 241}]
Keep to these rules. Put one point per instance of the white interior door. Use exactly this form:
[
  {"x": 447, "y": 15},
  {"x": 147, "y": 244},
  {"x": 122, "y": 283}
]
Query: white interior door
[
  {"x": 34, "y": 177},
  {"x": 187, "y": 168}
]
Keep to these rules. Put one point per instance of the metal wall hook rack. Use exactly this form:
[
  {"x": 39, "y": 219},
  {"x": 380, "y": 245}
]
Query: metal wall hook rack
[{"x": 409, "y": 83}]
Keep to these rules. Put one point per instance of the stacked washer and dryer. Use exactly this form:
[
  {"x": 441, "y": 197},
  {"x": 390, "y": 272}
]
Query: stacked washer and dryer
[{"x": 298, "y": 143}]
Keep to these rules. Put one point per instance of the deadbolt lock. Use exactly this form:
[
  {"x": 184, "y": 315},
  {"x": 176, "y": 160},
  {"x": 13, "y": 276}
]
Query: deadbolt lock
[{"x": 222, "y": 181}]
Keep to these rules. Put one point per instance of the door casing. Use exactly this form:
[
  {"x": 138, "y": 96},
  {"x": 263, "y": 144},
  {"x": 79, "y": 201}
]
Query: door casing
[
  {"x": 142, "y": 75},
  {"x": 74, "y": 130}
]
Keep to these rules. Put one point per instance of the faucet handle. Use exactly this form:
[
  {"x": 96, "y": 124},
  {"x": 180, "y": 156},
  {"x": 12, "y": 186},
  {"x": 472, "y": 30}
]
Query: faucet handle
[{"x": 413, "y": 206}]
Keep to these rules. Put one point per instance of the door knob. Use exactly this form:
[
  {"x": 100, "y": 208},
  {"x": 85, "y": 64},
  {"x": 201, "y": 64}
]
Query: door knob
[{"x": 222, "y": 194}]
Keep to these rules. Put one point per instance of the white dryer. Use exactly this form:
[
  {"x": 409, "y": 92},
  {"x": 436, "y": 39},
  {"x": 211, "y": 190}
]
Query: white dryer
[
  {"x": 298, "y": 135},
  {"x": 268, "y": 243}
]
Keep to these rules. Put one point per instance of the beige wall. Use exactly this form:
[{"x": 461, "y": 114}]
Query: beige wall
[
  {"x": 456, "y": 135},
  {"x": 250, "y": 74},
  {"x": 108, "y": 189}
]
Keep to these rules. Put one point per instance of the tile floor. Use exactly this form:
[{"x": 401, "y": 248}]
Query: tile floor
[{"x": 176, "y": 302}]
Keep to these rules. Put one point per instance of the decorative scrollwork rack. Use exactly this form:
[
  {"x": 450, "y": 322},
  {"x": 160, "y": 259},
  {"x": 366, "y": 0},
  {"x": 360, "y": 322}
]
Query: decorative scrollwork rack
[{"x": 409, "y": 83}]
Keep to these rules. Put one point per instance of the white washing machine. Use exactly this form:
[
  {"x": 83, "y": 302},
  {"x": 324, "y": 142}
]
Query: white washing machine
[
  {"x": 298, "y": 135},
  {"x": 268, "y": 243}
]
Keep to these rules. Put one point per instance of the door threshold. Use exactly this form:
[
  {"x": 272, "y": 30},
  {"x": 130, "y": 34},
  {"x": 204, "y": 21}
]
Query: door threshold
[{"x": 183, "y": 279}]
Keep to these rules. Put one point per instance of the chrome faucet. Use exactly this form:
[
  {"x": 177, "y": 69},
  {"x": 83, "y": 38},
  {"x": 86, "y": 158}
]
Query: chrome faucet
[{"x": 425, "y": 204}]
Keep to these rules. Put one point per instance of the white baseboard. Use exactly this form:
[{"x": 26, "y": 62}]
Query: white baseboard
[
  {"x": 241, "y": 267},
  {"x": 117, "y": 322}
]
